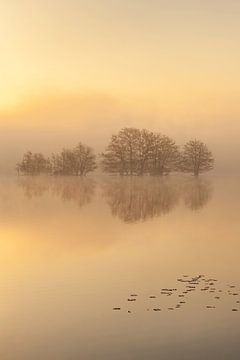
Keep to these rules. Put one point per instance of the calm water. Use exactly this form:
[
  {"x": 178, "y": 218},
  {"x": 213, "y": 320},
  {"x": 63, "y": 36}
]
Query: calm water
[{"x": 72, "y": 250}]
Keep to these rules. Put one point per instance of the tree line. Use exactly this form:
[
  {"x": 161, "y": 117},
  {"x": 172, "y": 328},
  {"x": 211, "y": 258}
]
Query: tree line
[
  {"x": 77, "y": 161},
  {"x": 130, "y": 152}
]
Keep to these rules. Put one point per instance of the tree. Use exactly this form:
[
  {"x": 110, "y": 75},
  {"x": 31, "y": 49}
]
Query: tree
[
  {"x": 85, "y": 160},
  {"x": 33, "y": 164},
  {"x": 62, "y": 163},
  {"x": 144, "y": 151},
  {"x": 78, "y": 161},
  {"x": 137, "y": 152},
  {"x": 196, "y": 158},
  {"x": 165, "y": 155},
  {"x": 113, "y": 159},
  {"x": 120, "y": 155}
]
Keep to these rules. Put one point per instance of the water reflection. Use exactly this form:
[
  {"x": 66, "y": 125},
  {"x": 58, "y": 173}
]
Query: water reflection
[
  {"x": 134, "y": 199},
  {"x": 55, "y": 256},
  {"x": 34, "y": 186},
  {"x": 197, "y": 193},
  {"x": 79, "y": 190},
  {"x": 131, "y": 199}
]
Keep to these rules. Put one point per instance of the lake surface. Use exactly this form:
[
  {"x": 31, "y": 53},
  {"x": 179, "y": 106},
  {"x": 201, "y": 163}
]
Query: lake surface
[{"x": 74, "y": 249}]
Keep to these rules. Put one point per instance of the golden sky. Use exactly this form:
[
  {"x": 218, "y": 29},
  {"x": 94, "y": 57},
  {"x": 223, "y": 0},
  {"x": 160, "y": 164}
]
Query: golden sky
[
  {"x": 179, "y": 54},
  {"x": 155, "y": 63}
]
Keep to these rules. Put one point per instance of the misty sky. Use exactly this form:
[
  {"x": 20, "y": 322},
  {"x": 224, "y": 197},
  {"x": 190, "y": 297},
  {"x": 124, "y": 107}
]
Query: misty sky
[{"x": 79, "y": 70}]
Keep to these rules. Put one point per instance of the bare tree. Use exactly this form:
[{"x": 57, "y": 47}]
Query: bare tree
[
  {"x": 26, "y": 165},
  {"x": 128, "y": 138},
  {"x": 130, "y": 152},
  {"x": 113, "y": 159},
  {"x": 144, "y": 151},
  {"x": 137, "y": 152},
  {"x": 62, "y": 163},
  {"x": 120, "y": 155},
  {"x": 78, "y": 161},
  {"x": 196, "y": 158},
  {"x": 165, "y": 155},
  {"x": 33, "y": 164},
  {"x": 85, "y": 160}
]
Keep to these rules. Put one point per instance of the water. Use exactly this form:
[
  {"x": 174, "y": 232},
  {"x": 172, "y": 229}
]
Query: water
[{"x": 73, "y": 249}]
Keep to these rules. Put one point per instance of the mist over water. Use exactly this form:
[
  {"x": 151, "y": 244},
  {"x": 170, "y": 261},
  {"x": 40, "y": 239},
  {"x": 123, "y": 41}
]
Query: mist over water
[
  {"x": 74, "y": 248},
  {"x": 63, "y": 122},
  {"x": 105, "y": 267}
]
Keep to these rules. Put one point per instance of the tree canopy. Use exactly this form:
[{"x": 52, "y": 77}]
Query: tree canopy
[
  {"x": 196, "y": 158},
  {"x": 137, "y": 152},
  {"x": 33, "y": 164},
  {"x": 130, "y": 152},
  {"x": 77, "y": 161}
]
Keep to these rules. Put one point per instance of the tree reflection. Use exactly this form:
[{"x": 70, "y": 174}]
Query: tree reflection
[
  {"x": 133, "y": 199},
  {"x": 196, "y": 193},
  {"x": 72, "y": 188},
  {"x": 79, "y": 190},
  {"x": 34, "y": 186}
]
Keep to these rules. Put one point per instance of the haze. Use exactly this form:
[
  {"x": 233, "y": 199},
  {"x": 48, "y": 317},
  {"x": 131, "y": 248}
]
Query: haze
[{"x": 80, "y": 70}]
